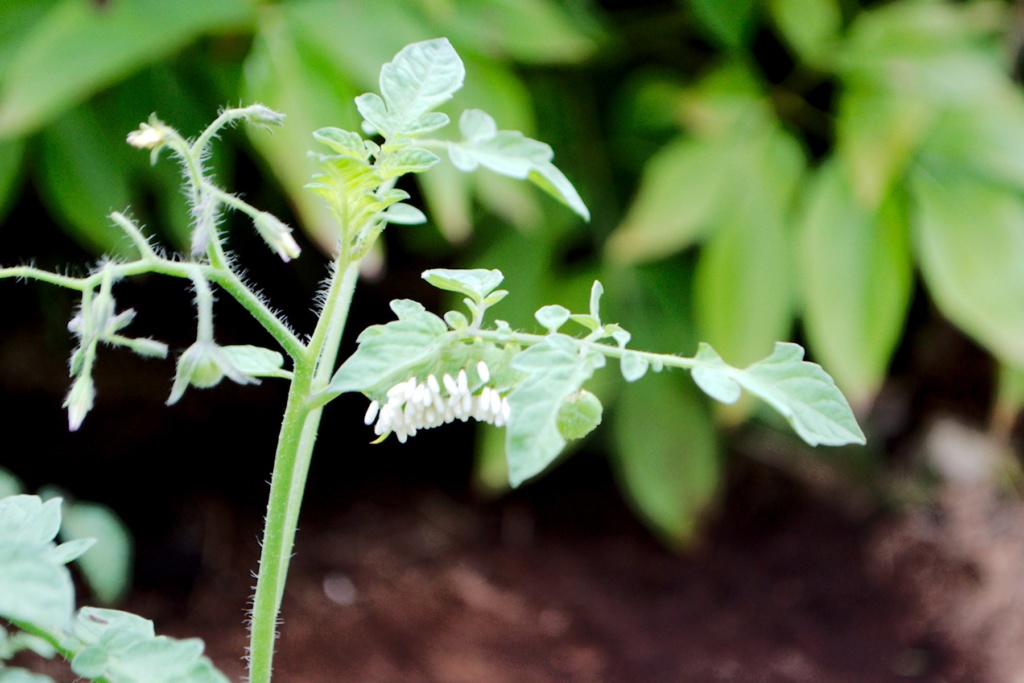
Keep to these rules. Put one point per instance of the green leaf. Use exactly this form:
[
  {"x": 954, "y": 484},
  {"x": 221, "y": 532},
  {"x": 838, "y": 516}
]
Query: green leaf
[
  {"x": 288, "y": 71},
  {"x": 970, "y": 247},
  {"x": 530, "y": 31},
  {"x": 404, "y": 214},
  {"x": 79, "y": 48},
  {"x": 11, "y": 164},
  {"x": 666, "y": 457},
  {"x": 596, "y": 292},
  {"x": 552, "y": 317},
  {"x": 107, "y": 567},
  {"x": 554, "y": 369},
  {"x": 633, "y": 365},
  {"x": 122, "y": 647},
  {"x": 72, "y": 550},
  {"x": 940, "y": 52},
  {"x": 809, "y": 26},
  {"x": 12, "y": 675},
  {"x": 34, "y": 587},
  {"x": 343, "y": 142},
  {"x": 390, "y": 353},
  {"x": 711, "y": 378},
  {"x": 27, "y": 519},
  {"x": 111, "y": 627},
  {"x": 548, "y": 178},
  {"x": 743, "y": 287},
  {"x": 878, "y": 134},
  {"x": 10, "y": 485},
  {"x": 856, "y": 279},
  {"x": 475, "y": 283},
  {"x": 506, "y": 152},
  {"x": 511, "y": 154},
  {"x": 420, "y": 77},
  {"x": 800, "y": 391},
  {"x": 682, "y": 192},
  {"x": 731, "y": 22},
  {"x": 256, "y": 361},
  {"x": 84, "y": 181},
  {"x": 985, "y": 138},
  {"x": 406, "y": 160}
]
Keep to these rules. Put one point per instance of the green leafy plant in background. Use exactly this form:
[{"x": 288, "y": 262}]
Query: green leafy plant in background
[
  {"x": 805, "y": 169},
  {"x": 73, "y": 74},
  {"x": 923, "y": 171},
  {"x": 419, "y": 371}
]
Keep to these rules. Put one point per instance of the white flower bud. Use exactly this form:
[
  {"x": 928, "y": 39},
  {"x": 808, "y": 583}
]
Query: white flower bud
[
  {"x": 277, "y": 235},
  {"x": 79, "y": 401}
]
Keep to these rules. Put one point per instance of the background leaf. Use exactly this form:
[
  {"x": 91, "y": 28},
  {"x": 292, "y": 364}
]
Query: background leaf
[
  {"x": 79, "y": 48},
  {"x": 743, "y": 297},
  {"x": 731, "y": 22},
  {"x": 809, "y": 26},
  {"x": 681, "y": 194},
  {"x": 107, "y": 567},
  {"x": 856, "y": 279},
  {"x": 666, "y": 456},
  {"x": 970, "y": 245}
]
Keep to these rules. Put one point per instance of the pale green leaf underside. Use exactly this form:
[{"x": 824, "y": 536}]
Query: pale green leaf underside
[
  {"x": 800, "y": 391},
  {"x": 475, "y": 283},
  {"x": 256, "y": 361},
  {"x": 512, "y": 154},
  {"x": 388, "y": 354},
  {"x": 420, "y": 77},
  {"x": 554, "y": 369}
]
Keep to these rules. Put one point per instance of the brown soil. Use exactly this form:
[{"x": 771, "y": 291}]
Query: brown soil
[{"x": 415, "y": 586}]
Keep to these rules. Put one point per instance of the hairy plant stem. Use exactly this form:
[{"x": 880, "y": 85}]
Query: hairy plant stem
[{"x": 291, "y": 466}]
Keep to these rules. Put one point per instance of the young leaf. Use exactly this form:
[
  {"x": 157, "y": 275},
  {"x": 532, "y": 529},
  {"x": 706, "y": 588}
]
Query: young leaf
[
  {"x": 554, "y": 369},
  {"x": 388, "y": 354},
  {"x": 419, "y": 78},
  {"x": 256, "y": 361},
  {"x": 506, "y": 152},
  {"x": 72, "y": 550},
  {"x": 633, "y": 366},
  {"x": 476, "y": 283},
  {"x": 552, "y": 317},
  {"x": 511, "y": 154},
  {"x": 801, "y": 391},
  {"x": 406, "y": 160},
  {"x": 548, "y": 178}
]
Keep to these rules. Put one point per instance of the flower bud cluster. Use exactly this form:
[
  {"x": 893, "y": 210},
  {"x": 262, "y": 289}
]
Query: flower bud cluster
[{"x": 412, "y": 405}]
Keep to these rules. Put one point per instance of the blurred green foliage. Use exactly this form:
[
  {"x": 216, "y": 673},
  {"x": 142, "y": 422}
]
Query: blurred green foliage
[{"x": 780, "y": 161}]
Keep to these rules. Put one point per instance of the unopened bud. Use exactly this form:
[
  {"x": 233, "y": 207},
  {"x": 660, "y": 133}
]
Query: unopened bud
[
  {"x": 147, "y": 136},
  {"x": 79, "y": 401},
  {"x": 277, "y": 235}
]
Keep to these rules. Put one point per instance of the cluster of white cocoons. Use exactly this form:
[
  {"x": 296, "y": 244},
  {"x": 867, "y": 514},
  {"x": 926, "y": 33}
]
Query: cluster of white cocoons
[{"x": 412, "y": 405}]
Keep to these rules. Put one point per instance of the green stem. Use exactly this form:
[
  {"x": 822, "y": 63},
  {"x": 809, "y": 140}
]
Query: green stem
[{"x": 291, "y": 466}]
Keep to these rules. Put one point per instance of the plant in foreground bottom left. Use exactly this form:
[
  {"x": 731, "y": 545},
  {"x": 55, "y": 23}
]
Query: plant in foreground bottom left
[{"x": 37, "y": 612}]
